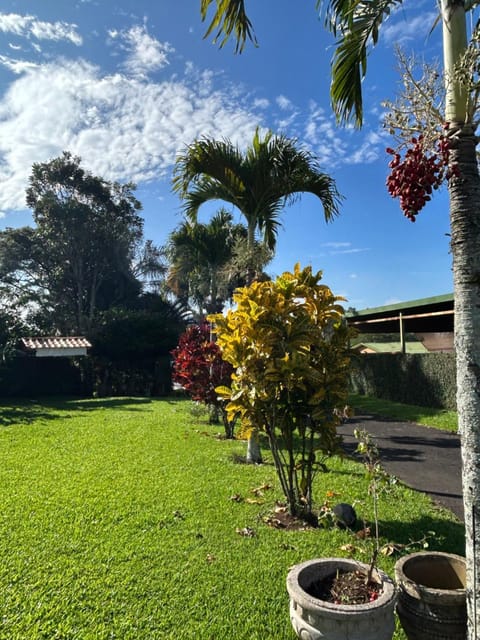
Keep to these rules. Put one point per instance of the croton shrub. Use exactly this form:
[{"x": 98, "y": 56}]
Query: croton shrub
[
  {"x": 198, "y": 367},
  {"x": 287, "y": 342}
]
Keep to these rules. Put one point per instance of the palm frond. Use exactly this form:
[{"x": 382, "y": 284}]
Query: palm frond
[
  {"x": 268, "y": 221},
  {"x": 297, "y": 171},
  {"x": 272, "y": 172},
  {"x": 229, "y": 18},
  {"x": 322, "y": 186},
  {"x": 203, "y": 191},
  {"x": 356, "y": 23},
  {"x": 216, "y": 158}
]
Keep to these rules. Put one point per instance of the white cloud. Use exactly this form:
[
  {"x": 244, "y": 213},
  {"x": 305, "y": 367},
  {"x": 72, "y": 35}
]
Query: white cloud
[
  {"x": 124, "y": 128},
  {"x": 367, "y": 152},
  {"x": 145, "y": 53},
  {"x": 348, "y": 251},
  {"x": 283, "y": 124},
  {"x": 403, "y": 28},
  {"x": 323, "y": 137},
  {"x": 340, "y": 248},
  {"x": 16, "y": 66},
  {"x": 284, "y": 103},
  {"x": 128, "y": 128},
  {"x": 28, "y": 26},
  {"x": 261, "y": 103},
  {"x": 337, "y": 245}
]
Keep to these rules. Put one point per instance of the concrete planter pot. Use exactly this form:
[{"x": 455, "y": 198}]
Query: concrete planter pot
[
  {"x": 431, "y": 596},
  {"x": 315, "y": 619}
]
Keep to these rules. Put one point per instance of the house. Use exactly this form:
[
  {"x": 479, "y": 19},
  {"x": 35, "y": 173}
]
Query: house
[
  {"x": 55, "y": 346},
  {"x": 430, "y": 320}
]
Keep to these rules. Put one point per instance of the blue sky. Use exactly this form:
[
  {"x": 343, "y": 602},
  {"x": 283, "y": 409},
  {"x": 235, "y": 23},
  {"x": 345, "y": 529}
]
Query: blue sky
[{"x": 127, "y": 84}]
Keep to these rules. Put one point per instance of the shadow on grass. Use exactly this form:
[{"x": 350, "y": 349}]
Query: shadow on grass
[
  {"x": 387, "y": 410},
  {"x": 24, "y": 411},
  {"x": 106, "y": 403},
  {"x": 442, "y": 535},
  {"x": 24, "y": 414}
]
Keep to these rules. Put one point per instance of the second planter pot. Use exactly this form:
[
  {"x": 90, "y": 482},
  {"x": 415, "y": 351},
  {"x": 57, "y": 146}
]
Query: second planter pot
[{"x": 431, "y": 596}]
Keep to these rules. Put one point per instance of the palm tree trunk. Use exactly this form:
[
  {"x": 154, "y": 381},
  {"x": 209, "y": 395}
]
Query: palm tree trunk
[
  {"x": 465, "y": 234},
  {"x": 465, "y": 231},
  {"x": 251, "y": 225},
  {"x": 254, "y": 454}
]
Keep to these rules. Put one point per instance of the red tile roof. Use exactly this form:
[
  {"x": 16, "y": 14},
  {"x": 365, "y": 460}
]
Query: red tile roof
[{"x": 56, "y": 342}]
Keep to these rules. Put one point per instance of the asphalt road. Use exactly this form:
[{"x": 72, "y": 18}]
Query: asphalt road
[{"x": 423, "y": 458}]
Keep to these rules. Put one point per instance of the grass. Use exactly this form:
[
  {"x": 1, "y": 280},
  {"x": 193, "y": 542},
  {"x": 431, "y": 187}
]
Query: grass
[
  {"x": 438, "y": 418},
  {"x": 117, "y": 521}
]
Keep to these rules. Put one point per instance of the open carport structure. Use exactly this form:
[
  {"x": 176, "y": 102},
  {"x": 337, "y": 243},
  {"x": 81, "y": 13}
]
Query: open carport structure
[{"x": 430, "y": 319}]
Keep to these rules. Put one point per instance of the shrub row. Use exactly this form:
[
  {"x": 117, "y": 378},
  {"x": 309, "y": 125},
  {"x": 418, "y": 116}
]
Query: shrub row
[
  {"x": 30, "y": 377},
  {"x": 423, "y": 379},
  {"x": 426, "y": 379}
]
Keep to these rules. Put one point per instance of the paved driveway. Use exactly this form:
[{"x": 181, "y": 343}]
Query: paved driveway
[{"x": 423, "y": 458}]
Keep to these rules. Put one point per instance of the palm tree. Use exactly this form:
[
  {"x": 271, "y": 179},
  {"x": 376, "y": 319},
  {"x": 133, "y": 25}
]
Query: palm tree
[
  {"x": 199, "y": 256},
  {"x": 356, "y": 25},
  {"x": 260, "y": 182},
  {"x": 149, "y": 266}
]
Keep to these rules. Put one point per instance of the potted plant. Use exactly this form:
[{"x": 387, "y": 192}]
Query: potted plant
[
  {"x": 431, "y": 595},
  {"x": 315, "y": 617},
  {"x": 339, "y": 598},
  {"x": 288, "y": 343}
]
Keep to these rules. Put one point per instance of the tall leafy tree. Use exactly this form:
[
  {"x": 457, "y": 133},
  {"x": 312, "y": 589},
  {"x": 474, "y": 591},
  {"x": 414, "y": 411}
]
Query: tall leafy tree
[
  {"x": 200, "y": 254},
  {"x": 22, "y": 270},
  {"x": 131, "y": 347},
  {"x": 356, "y": 24},
  {"x": 271, "y": 173},
  {"x": 79, "y": 257}
]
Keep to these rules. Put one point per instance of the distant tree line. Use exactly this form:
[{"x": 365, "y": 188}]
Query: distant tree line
[{"x": 85, "y": 268}]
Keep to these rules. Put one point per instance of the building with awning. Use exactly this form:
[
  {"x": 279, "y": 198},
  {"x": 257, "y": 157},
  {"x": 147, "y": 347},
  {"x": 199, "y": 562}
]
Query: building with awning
[{"x": 431, "y": 320}]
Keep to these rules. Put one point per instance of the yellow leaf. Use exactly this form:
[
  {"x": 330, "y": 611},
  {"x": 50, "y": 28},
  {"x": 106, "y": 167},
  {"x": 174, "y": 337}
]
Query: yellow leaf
[{"x": 350, "y": 548}]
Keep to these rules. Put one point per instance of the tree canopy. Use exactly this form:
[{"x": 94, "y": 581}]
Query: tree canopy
[
  {"x": 272, "y": 172},
  {"x": 200, "y": 270},
  {"x": 79, "y": 258}
]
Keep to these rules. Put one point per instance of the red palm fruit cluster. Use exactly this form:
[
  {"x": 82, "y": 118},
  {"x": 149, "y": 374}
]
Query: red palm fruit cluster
[{"x": 413, "y": 179}]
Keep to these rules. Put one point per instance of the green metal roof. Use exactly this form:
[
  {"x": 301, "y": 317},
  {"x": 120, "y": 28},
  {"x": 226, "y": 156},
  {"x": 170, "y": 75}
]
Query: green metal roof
[{"x": 402, "y": 306}]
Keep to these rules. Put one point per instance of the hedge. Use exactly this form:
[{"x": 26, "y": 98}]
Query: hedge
[
  {"x": 427, "y": 379},
  {"x": 423, "y": 379},
  {"x": 31, "y": 377}
]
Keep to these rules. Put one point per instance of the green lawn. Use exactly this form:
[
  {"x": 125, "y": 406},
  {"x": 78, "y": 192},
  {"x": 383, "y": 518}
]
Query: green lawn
[
  {"x": 438, "y": 418},
  {"x": 117, "y": 521}
]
